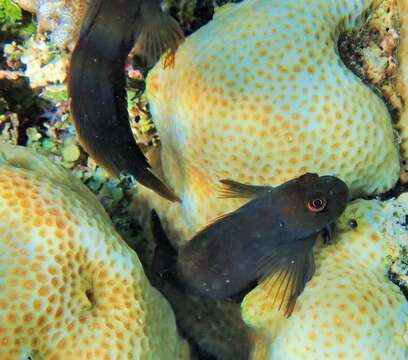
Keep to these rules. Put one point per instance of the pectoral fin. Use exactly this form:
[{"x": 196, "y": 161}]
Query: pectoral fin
[
  {"x": 285, "y": 279},
  {"x": 157, "y": 33}
]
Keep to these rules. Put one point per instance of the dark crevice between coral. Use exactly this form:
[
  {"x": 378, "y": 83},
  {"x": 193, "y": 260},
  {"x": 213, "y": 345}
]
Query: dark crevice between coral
[
  {"x": 90, "y": 296},
  {"x": 397, "y": 190},
  {"x": 191, "y": 19},
  {"x": 19, "y": 98},
  {"x": 196, "y": 317},
  {"x": 393, "y": 277}
]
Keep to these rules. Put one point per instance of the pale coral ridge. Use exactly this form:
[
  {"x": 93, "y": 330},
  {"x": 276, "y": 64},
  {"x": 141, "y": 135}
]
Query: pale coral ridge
[{"x": 70, "y": 288}]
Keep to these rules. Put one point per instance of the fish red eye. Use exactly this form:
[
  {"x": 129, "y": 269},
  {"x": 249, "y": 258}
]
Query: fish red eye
[{"x": 317, "y": 204}]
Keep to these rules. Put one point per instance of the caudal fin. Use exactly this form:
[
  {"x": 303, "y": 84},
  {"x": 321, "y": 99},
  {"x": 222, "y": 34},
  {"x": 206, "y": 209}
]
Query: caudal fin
[{"x": 97, "y": 84}]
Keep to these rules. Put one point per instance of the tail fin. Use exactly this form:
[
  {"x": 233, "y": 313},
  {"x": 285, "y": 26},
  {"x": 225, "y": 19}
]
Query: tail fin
[{"x": 98, "y": 96}]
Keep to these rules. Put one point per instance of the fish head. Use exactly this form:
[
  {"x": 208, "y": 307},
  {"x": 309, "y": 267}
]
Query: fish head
[{"x": 311, "y": 202}]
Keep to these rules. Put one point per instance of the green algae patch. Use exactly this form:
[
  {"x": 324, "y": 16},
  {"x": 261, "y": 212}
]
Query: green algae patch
[{"x": 12, "y": 19}]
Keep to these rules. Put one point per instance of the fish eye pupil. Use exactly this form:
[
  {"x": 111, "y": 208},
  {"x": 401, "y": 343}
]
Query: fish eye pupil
[{"x": 317, "y": 204}]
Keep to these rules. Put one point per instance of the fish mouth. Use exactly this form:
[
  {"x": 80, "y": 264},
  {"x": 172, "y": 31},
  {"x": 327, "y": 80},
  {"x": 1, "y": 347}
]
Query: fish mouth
[{"x": 327, "y": 233}]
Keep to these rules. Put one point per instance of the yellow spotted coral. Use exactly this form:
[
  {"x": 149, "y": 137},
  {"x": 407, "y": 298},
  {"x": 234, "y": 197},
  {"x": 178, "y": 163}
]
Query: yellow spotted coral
[
  {"x": 350, "y": 309},
  {"x": 260, "y": 95},
  {"x": 70, "y": 288}
]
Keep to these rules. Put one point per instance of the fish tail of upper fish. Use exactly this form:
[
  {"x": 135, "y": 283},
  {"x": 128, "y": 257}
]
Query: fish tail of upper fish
[{"x": 97, "y": 81}]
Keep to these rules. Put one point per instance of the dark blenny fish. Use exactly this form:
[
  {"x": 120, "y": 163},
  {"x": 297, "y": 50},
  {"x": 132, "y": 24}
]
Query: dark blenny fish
[
  {"x": 97, "y": 80},
  {"x": 272, "y": 234}
]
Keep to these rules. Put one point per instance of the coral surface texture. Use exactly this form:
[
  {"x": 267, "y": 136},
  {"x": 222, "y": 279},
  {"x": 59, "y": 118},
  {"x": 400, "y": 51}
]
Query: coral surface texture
[
  {"x": 70, "y": 288},
  {"x": 260, "y": 95}
]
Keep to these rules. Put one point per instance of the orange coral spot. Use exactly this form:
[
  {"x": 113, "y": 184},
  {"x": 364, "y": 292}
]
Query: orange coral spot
[
  {"x": 52, "y": 270},
  {"x": 268, "y": 109},
  {"x": 28, "y": 317},
  {"x": 20, "y": 194},
  {"x": 25, "y": 203},
  {"x": 61, "y": 224},
  {"x": 311, "y": 69},
  {"x": 12, "y": 317},
  {"x": 6, "y": 195},
  {"x": 42, "y": 277},
  {"x": 13, "y": 281},
  {"x": 37, "y": 304},
  {"x": 37, "y": 222},
  {"x": 340, "y": 339},
  {"x": 44, "y": 290},
  {"x": 29, "y": 285},
  {"x": 70, "y": 232},
  {"x": 12, "y": 203},
  {"x": 375, "y": 237}
]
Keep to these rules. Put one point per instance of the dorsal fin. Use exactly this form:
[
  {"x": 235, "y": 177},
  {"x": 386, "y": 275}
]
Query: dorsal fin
[{"x": 235, "y": 189}]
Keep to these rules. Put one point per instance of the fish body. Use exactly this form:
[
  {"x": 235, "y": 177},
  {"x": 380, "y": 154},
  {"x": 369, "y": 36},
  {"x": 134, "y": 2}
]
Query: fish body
[
  {"x": 273, "y": 233},
  {"x": 97, "y": 81}
]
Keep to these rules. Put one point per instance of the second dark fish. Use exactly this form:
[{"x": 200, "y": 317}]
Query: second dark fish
[
  {"x": 272, "y": 234},
  {"x": 97, "y": 81}
]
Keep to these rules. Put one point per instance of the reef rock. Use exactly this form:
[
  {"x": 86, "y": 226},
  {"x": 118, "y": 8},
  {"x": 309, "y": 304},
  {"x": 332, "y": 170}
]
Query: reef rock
[{"x": 61, "y": 17}]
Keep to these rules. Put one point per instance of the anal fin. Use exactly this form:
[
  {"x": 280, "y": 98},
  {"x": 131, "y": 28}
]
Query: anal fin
[{"x": 165, "y": 256}]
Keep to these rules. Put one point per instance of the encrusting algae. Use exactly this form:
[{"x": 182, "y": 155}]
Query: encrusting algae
[
  {"x": 261, "y": 95},
  {"x": 70, "y": 287},
  {"x": 350, "y": 309}
]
